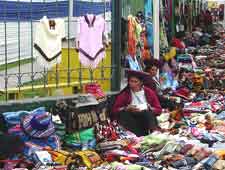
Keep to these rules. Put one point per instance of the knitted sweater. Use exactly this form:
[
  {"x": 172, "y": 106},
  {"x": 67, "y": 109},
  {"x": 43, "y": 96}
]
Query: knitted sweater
[
  {"x": 125, "y": 98},
  {"x": 48, "y": 42}
]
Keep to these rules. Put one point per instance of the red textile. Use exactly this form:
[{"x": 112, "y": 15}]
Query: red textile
[
  {"x": 146, "y": 55},
  {"x": 132, "y": 40},
  {"x": 178, "y": 43}
]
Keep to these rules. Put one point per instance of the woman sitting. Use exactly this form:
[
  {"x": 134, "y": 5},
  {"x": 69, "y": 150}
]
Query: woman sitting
[
  {"x": 152, "y": 82},
  {"x": 137, "y": 106}
]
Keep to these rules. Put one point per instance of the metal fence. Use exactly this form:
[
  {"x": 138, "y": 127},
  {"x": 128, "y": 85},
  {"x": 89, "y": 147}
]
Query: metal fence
[{"x": 20, "y": 75}]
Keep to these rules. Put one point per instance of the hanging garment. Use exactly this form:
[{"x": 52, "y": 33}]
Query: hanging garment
[
  {"x": 140, "y": 44},
  {"x": 145, "y": 53},
  {"x": 163, "y": 37},
  {"x": 48, "y": 42},
  {"x": 132, "y": 36},
  {"x": 91, "y": 44},
  {"x": 149, "y": 23},
  {"x": 138, "y": 30},
  {"x": 133, "y": 63}
]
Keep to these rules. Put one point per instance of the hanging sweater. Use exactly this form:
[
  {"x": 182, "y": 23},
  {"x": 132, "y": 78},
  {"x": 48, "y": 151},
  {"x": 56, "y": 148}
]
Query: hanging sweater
[
  {"x": 91, "y": 47},
  {"x": 48, "y": 42},
  {"x": 132, "y": 36}
]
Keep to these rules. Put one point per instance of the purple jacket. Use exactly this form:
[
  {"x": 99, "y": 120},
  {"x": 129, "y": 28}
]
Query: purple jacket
[{"x": 124, "y": 99}]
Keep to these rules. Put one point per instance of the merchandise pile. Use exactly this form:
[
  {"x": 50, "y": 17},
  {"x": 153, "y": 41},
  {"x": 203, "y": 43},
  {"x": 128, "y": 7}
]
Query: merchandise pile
[{"x": 192, "y": 138}]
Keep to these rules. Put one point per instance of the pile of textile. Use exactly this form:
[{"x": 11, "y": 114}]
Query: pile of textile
[{"x": 190, "y": 138}]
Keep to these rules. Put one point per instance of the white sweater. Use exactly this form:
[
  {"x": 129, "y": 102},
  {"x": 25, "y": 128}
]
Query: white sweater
[{"x": 48, "y": 42}]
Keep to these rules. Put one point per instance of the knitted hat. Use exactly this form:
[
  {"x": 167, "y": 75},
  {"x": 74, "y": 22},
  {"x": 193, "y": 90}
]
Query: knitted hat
[
  {"x": 138, "y": 74},
  {"x": 183, "y": 92}
]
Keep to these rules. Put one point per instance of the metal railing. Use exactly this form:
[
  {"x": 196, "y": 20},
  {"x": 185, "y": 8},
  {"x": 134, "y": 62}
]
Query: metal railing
[{"x": 19, "y": 72}]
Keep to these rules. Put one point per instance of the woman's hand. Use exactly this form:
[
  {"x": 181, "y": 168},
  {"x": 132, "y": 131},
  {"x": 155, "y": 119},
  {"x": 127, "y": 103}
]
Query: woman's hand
[
  {"x": 132, "y": 108},
  {"x": 172, "y": 98}
]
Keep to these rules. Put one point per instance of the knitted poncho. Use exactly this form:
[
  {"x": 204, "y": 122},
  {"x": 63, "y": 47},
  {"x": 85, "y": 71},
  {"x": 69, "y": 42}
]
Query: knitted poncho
[{"x": 48, "y": 42}]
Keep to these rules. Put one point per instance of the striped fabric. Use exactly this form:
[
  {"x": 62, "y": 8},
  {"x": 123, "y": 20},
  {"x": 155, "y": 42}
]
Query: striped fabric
[{"x": 41, "y": 119}]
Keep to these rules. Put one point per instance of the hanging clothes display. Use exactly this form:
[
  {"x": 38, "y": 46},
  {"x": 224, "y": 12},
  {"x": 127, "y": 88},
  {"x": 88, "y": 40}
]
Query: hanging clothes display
[
  {"x": 163, "y": 37},
  {"x": 48, "y": 41},
  {"x": 145, "y": 53},
  {"x": 91, "y": 45},
  {"x": 149, "y": 23},
  {"x": 133, "y": 63},
  {"x": 132, "y": 36},
  {"x": 167, "y": 14},
  {"x": 138, "y": 32},
  {"x": 181, "y": 18},
  {"x": 142, "y": 45},
  {"x": 189, "y": 11}
]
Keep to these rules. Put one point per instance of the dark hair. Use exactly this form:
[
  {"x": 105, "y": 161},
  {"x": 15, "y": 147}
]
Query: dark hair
[
  {"x": 139, "y": 78},
  {"x": 149, "y": 66},
  {"x": 152, "y": 62}
]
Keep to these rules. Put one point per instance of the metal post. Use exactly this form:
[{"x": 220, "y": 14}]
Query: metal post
[
  {"x": 156, "y": 29},
  {"x": 57, "y": 65},
  {"x": 224, "y": 15},
  {"x": 173, "y": 18},
  {"x": 70, "y": 8},
  {"x": 6, "y": 51},
  {"x": 31, "y": 46},
  {"x": 116, "y": 44},
  {"x": 19, "y": 77},
  {"x": 70, "y": 16}
]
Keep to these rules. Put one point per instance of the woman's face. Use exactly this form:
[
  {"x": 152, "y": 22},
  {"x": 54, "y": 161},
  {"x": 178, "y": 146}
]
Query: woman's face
[
  {"x": 189, "y": 76},
  {"x": 134, "y": 83},
  {"x": 153, "y": 71}
]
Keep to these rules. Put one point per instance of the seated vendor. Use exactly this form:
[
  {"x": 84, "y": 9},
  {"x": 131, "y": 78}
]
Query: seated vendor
[
  {"x": 137, "y": 106},
  {"x": 152, "y": 82},
  {"x": 185, "y": 78}
]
